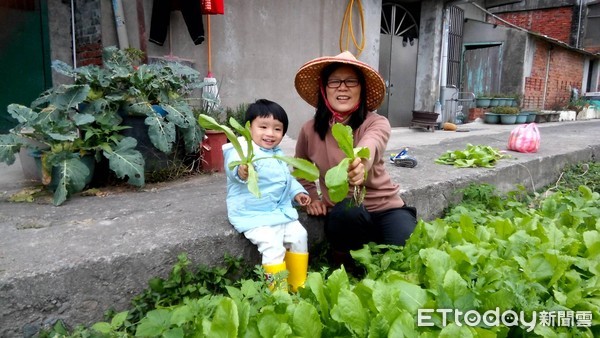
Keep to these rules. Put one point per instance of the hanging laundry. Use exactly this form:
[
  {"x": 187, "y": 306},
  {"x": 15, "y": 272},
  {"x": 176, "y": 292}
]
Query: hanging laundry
[{"x": 161, "y": 17}]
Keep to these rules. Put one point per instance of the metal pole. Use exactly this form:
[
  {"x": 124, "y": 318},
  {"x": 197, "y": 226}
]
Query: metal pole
[{"x": 73, "y": 47}]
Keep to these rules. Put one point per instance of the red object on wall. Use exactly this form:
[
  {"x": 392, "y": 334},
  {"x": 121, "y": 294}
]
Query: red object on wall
[
  {"x": 211, "y": 151},
  {"x": 213, "y": 7}
]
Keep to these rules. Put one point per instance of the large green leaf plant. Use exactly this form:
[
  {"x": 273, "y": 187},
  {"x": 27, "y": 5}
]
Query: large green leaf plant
[
  {"x": 61, "y": 130},
  {"x": 156, "y": 91}
]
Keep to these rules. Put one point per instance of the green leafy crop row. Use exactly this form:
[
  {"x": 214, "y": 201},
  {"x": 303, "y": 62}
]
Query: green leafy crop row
[{"x": 516, "y": 252}]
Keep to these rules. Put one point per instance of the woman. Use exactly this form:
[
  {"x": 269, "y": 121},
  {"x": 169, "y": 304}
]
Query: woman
[{"x": 345, "y": 90}]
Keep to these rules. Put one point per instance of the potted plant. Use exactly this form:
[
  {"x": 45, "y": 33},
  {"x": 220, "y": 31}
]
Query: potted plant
[
  {"x": 508, "y": 115},
  {"x": 210, "y": 152},
  {"x": 531, "y": 115},
  {"x": 483, "y": 100},
  {"x": 150, "y": 98},
  {"x": 67, "y": 140}
]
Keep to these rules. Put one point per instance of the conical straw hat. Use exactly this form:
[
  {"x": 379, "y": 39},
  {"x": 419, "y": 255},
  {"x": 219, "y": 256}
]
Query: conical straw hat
[{"x": 308, "y": 78}]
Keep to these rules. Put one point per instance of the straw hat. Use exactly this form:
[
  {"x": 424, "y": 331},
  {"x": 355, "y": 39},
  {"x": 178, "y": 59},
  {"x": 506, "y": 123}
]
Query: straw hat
[{"x": 308, "y": 78}]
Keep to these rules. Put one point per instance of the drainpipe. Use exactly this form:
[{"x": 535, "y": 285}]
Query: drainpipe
[
  {"x": 443, "y": 76},
  {"x": 120, "y": 23},
  {"x": 579, "y": 24},
  {"x": 73, "y": 45},
  {"x": 547, "y": 74}
]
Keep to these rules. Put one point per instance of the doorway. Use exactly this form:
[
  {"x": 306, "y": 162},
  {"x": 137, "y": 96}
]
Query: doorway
[
  {"x": 24, "y": 55},
  {"x": 399, "y": 37},
  {"x": 482, "y": 68}
]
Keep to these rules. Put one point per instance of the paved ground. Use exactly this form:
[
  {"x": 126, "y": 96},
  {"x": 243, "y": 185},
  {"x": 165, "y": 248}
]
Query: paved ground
[{"x": 91, "y": 253}]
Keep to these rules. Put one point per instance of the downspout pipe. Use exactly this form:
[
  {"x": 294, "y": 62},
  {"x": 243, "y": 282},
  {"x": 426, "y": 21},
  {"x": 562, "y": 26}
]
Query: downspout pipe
[
  {"x": 579, "y": 23},
  {"x": 73, "y": 44},
  {"x": 120, "y": 24}
]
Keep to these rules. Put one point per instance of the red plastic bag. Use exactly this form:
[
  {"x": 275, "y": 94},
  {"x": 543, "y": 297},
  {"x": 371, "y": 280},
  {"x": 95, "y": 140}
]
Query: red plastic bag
[
  {"x": 212, "y": 7},
  {"x": 525, "y": 138}
]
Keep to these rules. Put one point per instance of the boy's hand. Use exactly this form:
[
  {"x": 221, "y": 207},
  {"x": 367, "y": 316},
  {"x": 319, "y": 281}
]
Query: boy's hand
[
  {"x": 243, "y": 171},
  {"x": 302, "y": 199}
]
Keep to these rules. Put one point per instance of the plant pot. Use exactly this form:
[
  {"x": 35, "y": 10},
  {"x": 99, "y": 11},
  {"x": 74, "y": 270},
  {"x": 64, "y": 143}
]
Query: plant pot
[
  {"x": 211, "y": 152},
  {"x": 88, "y": 160},
  {"x": 522, "y": 118},
  {"x": 553, "y": 117},
  {"x": 495, "y": 102},
  {"x": 154, "y": 159},
  {"x": 508, "y": 118},
  {"x": 483, "y": 102},
  {"x": 530, "y": 116},
  {"x": 541, "y": 118},
  {"x": 491, "y": 118}
]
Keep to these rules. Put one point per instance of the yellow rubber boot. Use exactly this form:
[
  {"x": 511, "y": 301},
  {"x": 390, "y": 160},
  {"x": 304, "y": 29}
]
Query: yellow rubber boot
[
  {"x": 270, "y": 271},
  {"x": 297, "y": 265}
]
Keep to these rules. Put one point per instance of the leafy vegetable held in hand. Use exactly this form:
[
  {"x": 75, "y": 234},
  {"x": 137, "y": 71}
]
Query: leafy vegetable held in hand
[
  {"x": 302, "y": 168},
  {"x": 336, "y": 178}
]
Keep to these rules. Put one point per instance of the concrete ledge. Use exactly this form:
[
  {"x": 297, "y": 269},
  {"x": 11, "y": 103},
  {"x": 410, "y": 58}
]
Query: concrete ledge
[{"x": 75, "y": 261}]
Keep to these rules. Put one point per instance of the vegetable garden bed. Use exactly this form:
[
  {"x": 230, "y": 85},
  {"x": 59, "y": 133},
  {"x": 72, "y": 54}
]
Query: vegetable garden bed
[{"x": 529, "y": 262}]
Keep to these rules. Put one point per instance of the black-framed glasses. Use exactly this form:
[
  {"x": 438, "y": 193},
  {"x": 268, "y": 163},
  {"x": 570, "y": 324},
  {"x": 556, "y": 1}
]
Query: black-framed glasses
[{"x": 348, "y": 82}]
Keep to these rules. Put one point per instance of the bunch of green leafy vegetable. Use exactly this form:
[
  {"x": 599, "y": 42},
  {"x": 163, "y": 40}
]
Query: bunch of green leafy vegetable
[
  {"x": 302, "y": 168},
  {"x": 336, "y": 178},
  {"x": 472, "y": 156}
]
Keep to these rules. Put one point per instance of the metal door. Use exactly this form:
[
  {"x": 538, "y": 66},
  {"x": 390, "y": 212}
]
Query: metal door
[
  {"x": 398, "y": 63},
  {"x": 24, "y": 55},
  {"x": 482, "y": 69}
]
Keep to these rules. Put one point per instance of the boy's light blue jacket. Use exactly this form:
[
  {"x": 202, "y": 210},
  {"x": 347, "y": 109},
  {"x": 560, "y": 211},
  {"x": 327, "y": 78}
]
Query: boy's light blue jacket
[{"x": 276, "y": 184}]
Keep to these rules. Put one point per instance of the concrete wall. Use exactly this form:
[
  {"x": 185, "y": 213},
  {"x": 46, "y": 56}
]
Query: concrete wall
[
  {"x": 257, "y": 46},
  {"x": 427, "y": 86},
  {"x": 59, "y": 23}
]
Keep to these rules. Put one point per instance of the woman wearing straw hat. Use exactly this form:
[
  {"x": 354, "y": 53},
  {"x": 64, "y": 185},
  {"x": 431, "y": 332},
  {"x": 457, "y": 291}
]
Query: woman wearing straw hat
[{"x": 345, "y": 90}]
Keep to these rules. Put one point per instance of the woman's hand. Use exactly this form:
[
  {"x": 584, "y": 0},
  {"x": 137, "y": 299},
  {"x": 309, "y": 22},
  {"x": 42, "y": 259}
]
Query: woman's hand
[
  {"x": 302, "y": 199},
  {"x": 316, "y": 208},
  {"x": 243, "y": 171},
  {"x": 356, "y": 172}
]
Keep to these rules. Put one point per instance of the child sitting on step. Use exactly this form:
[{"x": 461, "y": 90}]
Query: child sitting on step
[{"x": 271, "y": 221}]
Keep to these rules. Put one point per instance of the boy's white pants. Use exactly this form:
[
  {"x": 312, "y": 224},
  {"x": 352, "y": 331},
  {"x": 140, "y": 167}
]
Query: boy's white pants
[{"x": 272, "y": 241}]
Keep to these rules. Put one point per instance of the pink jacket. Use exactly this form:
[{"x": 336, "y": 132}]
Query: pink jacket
[{"x": 382, "y": 193}]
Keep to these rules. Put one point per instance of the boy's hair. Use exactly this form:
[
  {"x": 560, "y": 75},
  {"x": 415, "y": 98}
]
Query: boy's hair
[{"x": 266, "y": 108}]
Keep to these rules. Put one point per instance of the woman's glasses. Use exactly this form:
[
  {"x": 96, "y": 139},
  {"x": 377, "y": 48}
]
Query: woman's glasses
[{"x": 348, "y": 82}]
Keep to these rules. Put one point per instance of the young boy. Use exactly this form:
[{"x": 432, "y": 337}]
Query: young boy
[{"x": 270, "y": 222}]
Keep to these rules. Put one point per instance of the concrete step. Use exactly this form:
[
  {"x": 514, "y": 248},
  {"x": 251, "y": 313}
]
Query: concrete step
[{"x": 92, "y": 253}]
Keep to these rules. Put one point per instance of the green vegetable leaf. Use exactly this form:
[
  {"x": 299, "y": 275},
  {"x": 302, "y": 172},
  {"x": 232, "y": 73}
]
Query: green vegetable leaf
[
  {"x": 72, "y": 173},
  {"x": 336, "y": 180},
  {"x": 253, "y": 181},
  {"x": 306, "y": 321},
  {"x": 225, "y": 320},
  {"x": 350, "y": 311},
  {"x": 343, "y": 135},
  {"x": 302, "y": 168},
  {"x": 208, "y": 122},
  {"x": 9, "y": 145},
  {"x": 154, "y": 324},
  {"x": 125, "y": 160}
]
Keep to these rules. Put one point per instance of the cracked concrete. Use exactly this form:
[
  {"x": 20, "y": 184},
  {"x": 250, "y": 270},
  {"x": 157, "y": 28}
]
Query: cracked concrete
[{"x": 94, "y": 252}]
